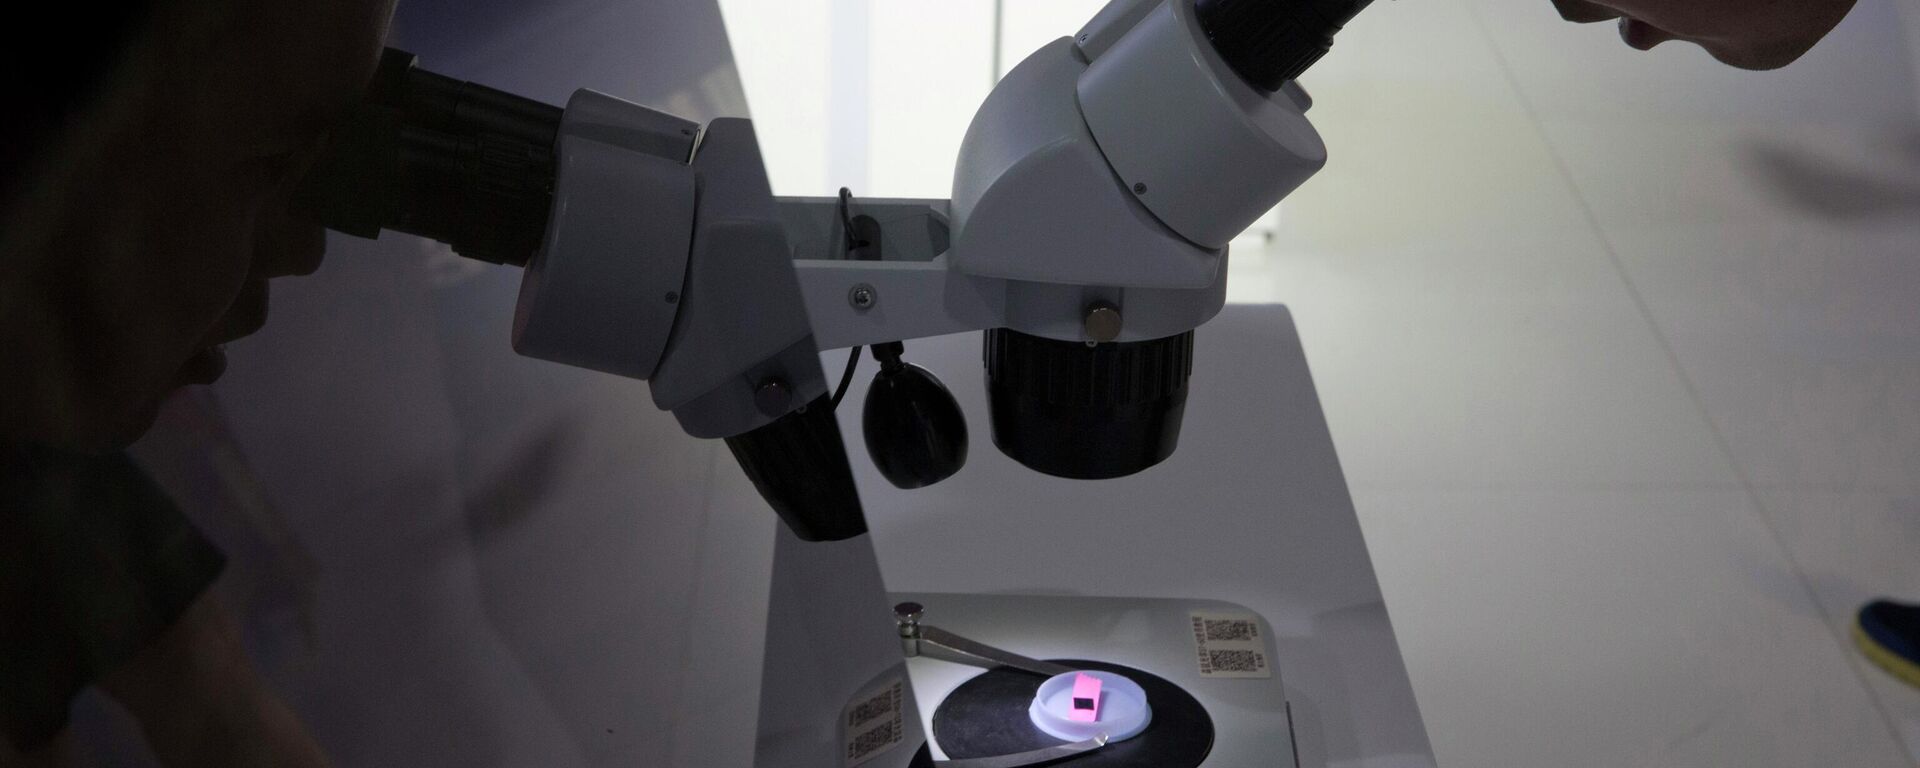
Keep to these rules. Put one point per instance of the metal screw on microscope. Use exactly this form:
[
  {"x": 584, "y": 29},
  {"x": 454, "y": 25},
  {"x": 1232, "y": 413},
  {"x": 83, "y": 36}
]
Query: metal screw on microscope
[
  {"x": 908, "y": 615},
  {"x": 863, "y": 296},
  {"x": 772, "y": 396},
  {"x": 1103, "y": 322}
]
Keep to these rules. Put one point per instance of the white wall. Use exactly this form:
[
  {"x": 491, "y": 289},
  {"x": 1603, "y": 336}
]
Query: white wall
[
  {"x": 1910, "y": 24},
  {"x": 781, "y": 48},
  {"x": 869, "y": 94},
  {"x": 875, "y": 95},
  {"x": 931, "y": 65}
]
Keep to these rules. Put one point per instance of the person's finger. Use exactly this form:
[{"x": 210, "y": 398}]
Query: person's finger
[
  {"x": 1641, "y": 35},
  {"x": 1584, "y": 11}
]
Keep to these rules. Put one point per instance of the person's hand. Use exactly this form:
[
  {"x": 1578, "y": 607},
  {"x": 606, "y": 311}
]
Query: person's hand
[
  {"x": 1750, "y": 34},
  {"x": 160, "y": 212}
]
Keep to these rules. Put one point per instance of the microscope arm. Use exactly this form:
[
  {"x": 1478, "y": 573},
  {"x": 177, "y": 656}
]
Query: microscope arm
[
  {"x": 1093, "y": 199},
  {"x": 652, "y": 249}
]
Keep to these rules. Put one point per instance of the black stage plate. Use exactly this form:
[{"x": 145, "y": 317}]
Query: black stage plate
[{"x": 987, "y": 716}]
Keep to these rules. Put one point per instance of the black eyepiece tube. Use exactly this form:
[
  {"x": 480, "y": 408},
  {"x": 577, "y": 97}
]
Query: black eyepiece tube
[
  {"x": 428, "y": 155},
  {"x": 487, "y": 196},
  {"x": 1269, "y": 42},
  {"x": 437, "y": 102}
]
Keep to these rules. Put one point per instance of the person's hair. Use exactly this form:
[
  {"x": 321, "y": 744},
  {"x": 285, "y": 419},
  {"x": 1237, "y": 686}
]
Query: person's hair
[{"x": 58, "y": 65}]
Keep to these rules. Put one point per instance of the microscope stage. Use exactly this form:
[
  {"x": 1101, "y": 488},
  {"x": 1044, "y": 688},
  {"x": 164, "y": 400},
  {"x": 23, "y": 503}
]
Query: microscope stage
[{"x": 1207, "y": 664}]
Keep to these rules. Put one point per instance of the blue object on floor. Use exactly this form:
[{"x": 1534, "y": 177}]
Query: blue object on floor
[{"x": 1889, "y": 634}]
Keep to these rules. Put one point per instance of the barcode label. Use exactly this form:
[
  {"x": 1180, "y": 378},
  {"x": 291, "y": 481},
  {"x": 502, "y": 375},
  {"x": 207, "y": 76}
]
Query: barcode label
[
  {"x": 873, "y": 722},
  {"x": 872, "y": 742},
  {"x": 1235, "y": 661},
  {"x": 1230, "y": 645},
  {"x": 1240, "y": 630},
  {"x": 870, "y": 710}
]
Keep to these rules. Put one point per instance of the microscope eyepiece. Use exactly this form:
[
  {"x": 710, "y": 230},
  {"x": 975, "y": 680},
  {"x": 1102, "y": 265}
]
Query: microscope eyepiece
[
  {"x": 1269, "y": 42},
  {"x": 429, "y": 155},
  {"x": 1088, "y": 412}
]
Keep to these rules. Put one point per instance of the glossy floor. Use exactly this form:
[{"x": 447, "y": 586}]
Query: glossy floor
[{"x": 1621, "y": 352}]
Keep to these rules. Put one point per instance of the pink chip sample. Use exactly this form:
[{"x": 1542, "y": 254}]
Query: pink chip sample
[{"x": 1086, "y": 699}]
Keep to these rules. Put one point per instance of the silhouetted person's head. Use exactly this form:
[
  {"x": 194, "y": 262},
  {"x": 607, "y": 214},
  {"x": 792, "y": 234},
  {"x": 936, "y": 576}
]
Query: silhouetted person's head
[
  {"x": 143, "y": 204},
  {"x": 1750, "y": 34}
]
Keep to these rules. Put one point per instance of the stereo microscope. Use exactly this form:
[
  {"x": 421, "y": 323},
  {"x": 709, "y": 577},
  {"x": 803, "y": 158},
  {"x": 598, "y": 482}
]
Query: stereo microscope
[{"x": 1086, "y": 237}]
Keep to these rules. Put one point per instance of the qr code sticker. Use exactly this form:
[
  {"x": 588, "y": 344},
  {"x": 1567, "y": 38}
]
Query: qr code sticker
[
  {"x": 1231, "y": 629},
  {"x": 1230, "y": 645},
  {"x": 874, "y": 722}
]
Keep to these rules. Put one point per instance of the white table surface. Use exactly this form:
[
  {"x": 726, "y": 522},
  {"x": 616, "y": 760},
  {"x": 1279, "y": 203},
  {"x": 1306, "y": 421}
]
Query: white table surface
[{"x": 515, "y": 563}]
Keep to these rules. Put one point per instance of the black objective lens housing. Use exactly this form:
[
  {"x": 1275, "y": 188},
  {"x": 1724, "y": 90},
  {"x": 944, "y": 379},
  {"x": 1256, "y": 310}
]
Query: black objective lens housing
[
  {"x": 1087, "y": 412},
  {"x": 799, "y": 465}
]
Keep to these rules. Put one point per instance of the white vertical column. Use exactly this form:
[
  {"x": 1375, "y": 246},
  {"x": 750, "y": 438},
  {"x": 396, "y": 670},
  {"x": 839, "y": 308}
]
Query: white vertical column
[
  {"x": 1910, "y": 24},
  {"x": 1030, "y": 24}
]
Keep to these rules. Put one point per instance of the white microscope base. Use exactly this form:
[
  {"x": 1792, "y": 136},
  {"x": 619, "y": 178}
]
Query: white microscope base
[
  {"x": 1251, "y": 720},
  {"x": 1252, "y": 509}
]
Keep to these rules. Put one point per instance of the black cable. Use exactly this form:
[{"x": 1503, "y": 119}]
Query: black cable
[
  {"x": 846, "y": 239},
  {"x": 846, "y": 377},
  {"x": 845, "y": 221}
]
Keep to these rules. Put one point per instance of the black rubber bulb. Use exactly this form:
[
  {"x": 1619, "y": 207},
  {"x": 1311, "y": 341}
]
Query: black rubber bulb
[{"x": 915, "y": 431}]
